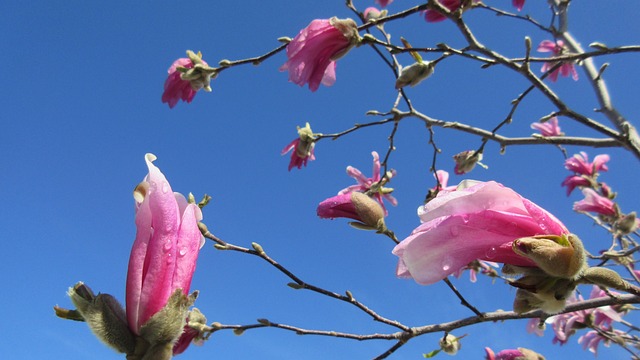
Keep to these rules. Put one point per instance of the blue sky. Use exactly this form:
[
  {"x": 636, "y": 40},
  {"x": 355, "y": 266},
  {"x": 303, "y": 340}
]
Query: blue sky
[{"x": 82, "y": 106}]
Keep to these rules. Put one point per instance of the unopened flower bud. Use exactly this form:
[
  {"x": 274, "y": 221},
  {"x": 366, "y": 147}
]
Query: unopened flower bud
[
  {"x": 105, "y": 316},
  {"x": 627, "y": 223},
  {"x": 354, "y": 205},
  {"x": 559, "y": 256},
  {"x": 450, "y": 344},
  {"x": 413, "y": 74},
  {"x": 349, "y": 30},
  {"x": 372, "y": 14},
  {"x": 466, "y": 161},
  {"x": 542, "y": 292},
  {"x": 166, "y": 326}
]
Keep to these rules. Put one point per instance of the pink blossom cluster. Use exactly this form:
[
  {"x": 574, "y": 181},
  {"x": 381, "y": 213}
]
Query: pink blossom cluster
[
  {"x": 372, "y": 184},
  {"x": 600, "y": 321},
  {"x": 550, "y": 127},
  {"x": 565, "y": 68},
  {"x": 597, "y": 195},
  {"x": 512, "y": 354},
  {"x": 364, "y": 200}
]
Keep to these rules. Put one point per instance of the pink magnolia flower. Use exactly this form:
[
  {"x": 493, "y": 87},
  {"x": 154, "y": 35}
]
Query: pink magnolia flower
[
  {"x": 579, "y": 163},
  {"x": 594, "y": 202},
  {"x": 313, "y": 52},
  {"x": 557, "y": 48},
  {"x": 174, "y": 87},
  {"x": 302, "y": 148},
  {"x": 184, "y": 85},
  {"x": 383, "y": 3},
  {"x": 574, "y": 181},
  {"x": 372, "y": 13},
  {"x": 353, "y": 205},
  {"x": 436, "y": 16},
  {"x": 371, "y": 184},
  {"x": 548, "y": 128},
  {"x": 466, "y": 161},
  {"x": 566, "y": 325},
  {"x": 592, "y": 339},
  {"x": 533, "y": 328},
  {"x": 164, "y": 253},
  {"x": 518, "y": 4},
  {"x": 478, "y": 220},
  {"x": 512, "y": 354}
]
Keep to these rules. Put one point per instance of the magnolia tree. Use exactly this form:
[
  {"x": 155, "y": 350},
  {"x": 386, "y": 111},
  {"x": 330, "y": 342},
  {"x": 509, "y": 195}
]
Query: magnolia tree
[{"x": 577, "y": 286}]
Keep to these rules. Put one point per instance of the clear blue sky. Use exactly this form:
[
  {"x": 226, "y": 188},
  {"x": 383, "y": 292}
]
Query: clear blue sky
[{"x": 81, "y": 106}]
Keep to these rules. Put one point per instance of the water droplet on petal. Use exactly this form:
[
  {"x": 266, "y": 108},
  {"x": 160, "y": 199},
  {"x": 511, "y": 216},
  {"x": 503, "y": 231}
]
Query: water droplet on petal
[
  {"x": 491, "y": 253},
  {"x": 446, "y": 263},
  {"x": 182, "y": 251},
  {"x": 165, "y": 187},
  {"x": 465, "y": 218},
  {"x": 454, "y": 231},
  {"x": 167, "y": 246},
  {"x": 543, "y": 227}
]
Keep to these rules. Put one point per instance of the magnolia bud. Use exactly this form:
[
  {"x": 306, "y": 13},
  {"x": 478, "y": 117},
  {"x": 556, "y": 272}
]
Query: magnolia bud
[
  {"x": 105, "y": 316},
  {"x": 542, "y": 292},
  {"x": 450, "y": 344},
  {"x": 466, "y": 161},
  {"x": 349, "y": 29},
  {"x": 166, "y": 325},
  {"x": 559, "y": 256},
  {"x": 413, "y": 74}
]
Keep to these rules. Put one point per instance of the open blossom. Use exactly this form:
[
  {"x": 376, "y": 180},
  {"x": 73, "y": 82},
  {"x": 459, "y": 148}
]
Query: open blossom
[
  {"x": 579, "y": 163},
  {"x": 592, "y": 339},
  {"x": 594, "y": 202},
  {"x": 164, "y": 253},
  {"x": 548, "y": 128},
  {"x": 478, "y": 220},
  {"x": 313, "y": 52},
  {"x": 371, "y": 184},
  {"x": 513, "y": 354},
  {"x": 184, "y": 85},
  {"x": 585, "y": 172},
  {"x": 302, "y": 148},
  {"x": 574, "y": 181},
  {"x": 566, "y": 325},
  {"x": 557, "y": 48}
]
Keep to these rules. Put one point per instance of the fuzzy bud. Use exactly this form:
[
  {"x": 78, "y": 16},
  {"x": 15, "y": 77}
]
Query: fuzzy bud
[
  {"x": 357, "y": 206},
  {"x": 558, "y": 256},
  {"x": 450, "y": 344},
  {"x": 413, "y": 74},
  {"x": 105, "y": 316}
]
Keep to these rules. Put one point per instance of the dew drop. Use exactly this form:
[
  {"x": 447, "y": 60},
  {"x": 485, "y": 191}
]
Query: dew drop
[
  {"x": 491, "y": 253},
  {"x": 446, "y": 263},
  {"x": 182, "y": 251},
  {"x": 165, "y": 187},
  {"x": 167, "y": 246},
  {"x": 543, "y": 227},
  {"x": 465, "y": 218}
]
